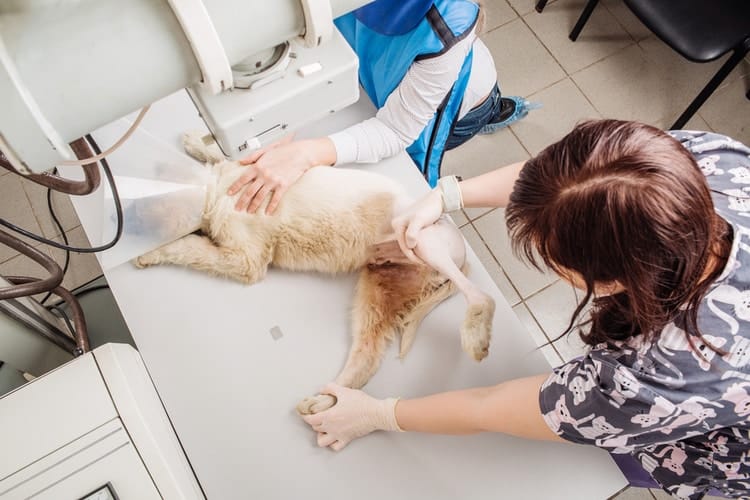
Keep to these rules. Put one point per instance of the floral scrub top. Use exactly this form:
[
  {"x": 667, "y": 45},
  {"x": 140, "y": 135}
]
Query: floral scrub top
[{"x": 683, "y": 416}]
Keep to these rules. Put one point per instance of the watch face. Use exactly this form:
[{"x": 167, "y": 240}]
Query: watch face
[{"x": 103, "y": 493}]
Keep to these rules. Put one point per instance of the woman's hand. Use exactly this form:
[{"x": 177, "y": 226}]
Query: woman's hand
[
  {"x": 354, "y": 415},
  {"x": 273, "y": 169},
  {"x": 421, "y": 214}
]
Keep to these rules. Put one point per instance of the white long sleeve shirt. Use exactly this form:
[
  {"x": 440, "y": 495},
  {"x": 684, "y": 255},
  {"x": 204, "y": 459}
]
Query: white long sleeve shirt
[{"x": 413, "y": 103}]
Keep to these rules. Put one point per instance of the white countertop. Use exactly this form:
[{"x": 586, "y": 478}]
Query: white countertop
[{"x": 230, "y": 389}]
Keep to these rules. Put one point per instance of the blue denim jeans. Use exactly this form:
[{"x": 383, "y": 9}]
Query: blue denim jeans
[{"x": 468, "y": 126}]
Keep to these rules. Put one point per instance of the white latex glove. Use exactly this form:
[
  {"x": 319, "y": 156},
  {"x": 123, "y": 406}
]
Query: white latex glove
[
  {"x": 408, "y": 224},
  {"x": 354, "y": 415}
]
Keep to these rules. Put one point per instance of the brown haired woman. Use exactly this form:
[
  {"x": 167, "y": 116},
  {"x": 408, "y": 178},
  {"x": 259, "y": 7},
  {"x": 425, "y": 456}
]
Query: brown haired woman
[{"x": 654, "y": 227}]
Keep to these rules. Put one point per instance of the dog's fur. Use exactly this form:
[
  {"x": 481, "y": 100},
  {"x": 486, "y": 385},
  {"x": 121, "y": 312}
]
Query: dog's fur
[{"x": 335, "y": 220}]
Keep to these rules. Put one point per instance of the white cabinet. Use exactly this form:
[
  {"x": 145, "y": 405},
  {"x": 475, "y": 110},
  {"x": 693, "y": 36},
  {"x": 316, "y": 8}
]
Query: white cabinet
[{"x": 92, "y": 429}]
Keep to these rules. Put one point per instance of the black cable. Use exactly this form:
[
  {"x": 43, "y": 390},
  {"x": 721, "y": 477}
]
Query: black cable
[
  {"x": 62, "y": 314},
  {"x": 88, "y": 290},
  {"x": 62, "y": 233},
  {"x": 118, "y": 208}
]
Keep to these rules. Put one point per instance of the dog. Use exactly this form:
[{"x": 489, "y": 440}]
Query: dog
[{"x": 336, "y": 220}]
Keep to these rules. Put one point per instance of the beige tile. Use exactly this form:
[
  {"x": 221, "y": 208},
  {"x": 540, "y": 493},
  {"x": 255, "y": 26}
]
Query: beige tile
[
  {"x": 524, "y": 66},
  {"x": 552, "y": 309},
  {"x": 528, "y": 321},
  {"x": 459, "y": 218},
  {"x": 82, "y": 268},
  {"x": 663, "y": 495},
  {"x": 490, "y": 264},
  {"x": 481, "y": 154},
  {"x": 634, "y": 494},
  {"x": 524, "y": 278},
  {"x": 16, "y": 209},
  {"x": 60, "y": 204},
  {"x": 563, "y": 106},
  {"x": 601, "y": 36},
  {"x": 728, "y": 111},
  {"x": 697, "y": 123},
  {"x": 497, "y": 13},
  {"x": 664, "y": 85},
  {"x": 525, "y": 6},
  {"x": 626, "y": 18}
]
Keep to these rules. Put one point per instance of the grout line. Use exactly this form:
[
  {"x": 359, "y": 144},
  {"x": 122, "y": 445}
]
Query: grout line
[{"x": 502, "y": 269}]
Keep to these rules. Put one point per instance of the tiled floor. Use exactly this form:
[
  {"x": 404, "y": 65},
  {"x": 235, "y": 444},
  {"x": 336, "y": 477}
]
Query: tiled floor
[{"x": 616, "y": 69}]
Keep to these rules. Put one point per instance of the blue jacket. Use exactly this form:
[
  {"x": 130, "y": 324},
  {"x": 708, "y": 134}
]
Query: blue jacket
[{"x": 388, "y": 36}]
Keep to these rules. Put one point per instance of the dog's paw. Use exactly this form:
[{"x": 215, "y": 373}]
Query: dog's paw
[
  {"x": 146, "y": 260},
  {"x": 477, "y": 329},
  {"x": 315, "y": 404}
]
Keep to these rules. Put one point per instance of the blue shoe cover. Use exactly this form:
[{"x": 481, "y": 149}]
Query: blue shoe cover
[{"x": 522, "y": 109}]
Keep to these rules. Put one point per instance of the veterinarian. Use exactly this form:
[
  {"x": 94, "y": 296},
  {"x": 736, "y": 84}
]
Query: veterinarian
[
  {"x": 432, "y": 79},
  {"x": 654, "y": 227}
]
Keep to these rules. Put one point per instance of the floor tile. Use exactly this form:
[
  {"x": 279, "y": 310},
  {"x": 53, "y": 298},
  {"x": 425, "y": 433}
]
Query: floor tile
[
  {"x": 525, "y": 279},
  {"x": 601, "y": 36},
  {"x": 83, "y": 267},
  {"x": 490, "y": 264},
  {"x": 497, "y": 13},
  {"x": 634, "y": 494},
  {"x": 666, "y": 83},
  {"x": 552, "y": 309},
  {"x": 459, "y": 218},
  {"x": 563, "y": 106},
  {"x": 525, "y": 6},
  {"x": 16, "y": 209},
  {"x": 728, "y": 111},
  {"x": 61, "y": 204},
  {"x": 528, "y": 321},
  {"x": 635, "y": 28},
  {"x": 663, "y": 495},
  {"x": 482, "y": 154},
  {"x": 524, "y": 66}
]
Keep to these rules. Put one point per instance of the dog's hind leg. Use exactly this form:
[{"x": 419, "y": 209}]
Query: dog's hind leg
[
  {"x": 199, "y": 252},
  {"x": 385, "y": 296},
  {"x": 442, "y": 247},
  {"x": 436, "y": 289}
]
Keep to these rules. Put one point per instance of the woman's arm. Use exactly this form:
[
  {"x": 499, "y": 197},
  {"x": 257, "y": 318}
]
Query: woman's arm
[
  {"x": 406, "y": 111},
  {"x": 511, "y": 408},
  {"x": 491, "y": 189},
  {"x": 272, "y": 169},
  {"x": 487, "y": 190}
]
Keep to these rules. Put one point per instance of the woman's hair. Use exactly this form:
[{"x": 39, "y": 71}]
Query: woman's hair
[{"x": 617, "y": 200}]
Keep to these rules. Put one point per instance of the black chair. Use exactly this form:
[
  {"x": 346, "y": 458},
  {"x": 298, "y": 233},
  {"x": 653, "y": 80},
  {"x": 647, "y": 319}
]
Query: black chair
[{"x": 699, "y": 30}]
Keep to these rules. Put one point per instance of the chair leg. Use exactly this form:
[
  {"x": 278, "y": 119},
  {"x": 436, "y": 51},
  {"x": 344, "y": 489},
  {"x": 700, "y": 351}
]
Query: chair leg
[
  {"x": 540, "y": 5},
  {"x": 587, "y": 10},
  {"x": 737, "y": 56}
]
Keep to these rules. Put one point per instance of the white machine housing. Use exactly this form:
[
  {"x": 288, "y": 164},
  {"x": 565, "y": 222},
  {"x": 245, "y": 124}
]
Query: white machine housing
[
  {"x": 100, "y": 432},
  {"x": 72, "y": 66},
  {"x": 315, "y": 82}
]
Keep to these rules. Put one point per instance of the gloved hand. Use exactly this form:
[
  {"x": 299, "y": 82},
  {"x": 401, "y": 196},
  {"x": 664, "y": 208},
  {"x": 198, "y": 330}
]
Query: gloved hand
[
  {"x": 408, "y": 224},
  {"x": 354, "y": 415}
]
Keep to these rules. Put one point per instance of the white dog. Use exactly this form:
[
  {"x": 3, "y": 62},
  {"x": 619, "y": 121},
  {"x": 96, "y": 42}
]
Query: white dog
[{"x": 335, "y": 220}]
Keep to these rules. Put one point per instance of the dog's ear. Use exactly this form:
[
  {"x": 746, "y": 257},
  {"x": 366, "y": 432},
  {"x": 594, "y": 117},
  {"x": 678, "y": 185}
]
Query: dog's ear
[{"x": 202, "y": 147}]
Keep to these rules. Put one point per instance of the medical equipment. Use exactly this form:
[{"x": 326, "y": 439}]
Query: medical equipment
[
  {"x": 255, "y": 69},
  {"x": 110, "y": 437}
]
